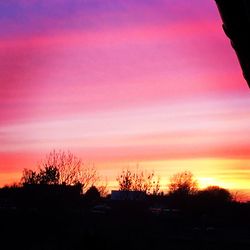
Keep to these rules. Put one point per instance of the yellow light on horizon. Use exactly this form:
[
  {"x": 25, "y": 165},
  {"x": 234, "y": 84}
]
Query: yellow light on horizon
[
  {"x": 204, "y": 182},
  {"x": 231, "y": 174}
]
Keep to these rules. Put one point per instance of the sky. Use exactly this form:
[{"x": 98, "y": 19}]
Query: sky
[{"x": 122, "y": 83}]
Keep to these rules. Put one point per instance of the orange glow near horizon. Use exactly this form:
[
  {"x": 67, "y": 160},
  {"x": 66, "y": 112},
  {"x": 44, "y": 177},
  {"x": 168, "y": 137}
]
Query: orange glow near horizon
[{"x": 232, "y": 174}]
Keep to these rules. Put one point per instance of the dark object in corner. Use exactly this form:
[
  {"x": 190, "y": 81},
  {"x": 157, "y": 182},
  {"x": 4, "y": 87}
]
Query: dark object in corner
[{"x": 235, "y": 15}]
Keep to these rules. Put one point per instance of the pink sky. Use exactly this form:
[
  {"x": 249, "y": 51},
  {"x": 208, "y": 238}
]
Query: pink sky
[{"x": 120, "y": 83}]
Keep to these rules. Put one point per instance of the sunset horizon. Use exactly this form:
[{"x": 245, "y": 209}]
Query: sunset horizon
[{"x": 123, "y": 84}]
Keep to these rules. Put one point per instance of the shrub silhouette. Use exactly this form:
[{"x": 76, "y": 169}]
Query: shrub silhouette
[{"x": 92, "y": 193}]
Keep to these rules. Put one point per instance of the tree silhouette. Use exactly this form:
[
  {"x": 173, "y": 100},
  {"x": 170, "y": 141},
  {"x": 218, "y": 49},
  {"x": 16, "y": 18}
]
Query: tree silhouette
[
  {"x": 60, "y": 167},
  {"x": 125, "y": 180},
  {"x": 216, "y": 194},
  {"x": 137, "y": 181},
  {"x": 71, "y": 169},
  {"x": 182, "y": 184},
  {"x": 29, "y": 177},
  {"x": 92, "y": 193},
  {"x": 156, "y": 187},
  {"x": 49, "y": 175},
  {"x": 103, "y": 188}
]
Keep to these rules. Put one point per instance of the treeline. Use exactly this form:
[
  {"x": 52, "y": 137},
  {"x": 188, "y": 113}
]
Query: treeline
[
  {"x": 64, "y": 168},
  {"x": 183, "y": 191}
]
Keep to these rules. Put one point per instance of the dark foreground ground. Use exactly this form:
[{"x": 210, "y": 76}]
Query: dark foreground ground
[{"x": 123, "y": 226}]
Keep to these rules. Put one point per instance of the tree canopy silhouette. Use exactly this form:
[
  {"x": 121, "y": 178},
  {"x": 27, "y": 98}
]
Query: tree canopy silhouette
[
  {"x": 216, "y": 194},
  {"x": 49, "y": 175}
]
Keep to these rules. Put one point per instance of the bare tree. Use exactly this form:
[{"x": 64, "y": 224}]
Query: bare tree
[
  {"x": 183, "y": 183},
  {"x": 125, "y": 180},
  {"x": 102, "y": 188},
  {"x": 88, "y": 176},
  {"x": 142, "y": 181},
  {"x": 68, "y": 165},
  {"x": 137, "y": 181},
  {"x": 71, "y": 169},
  {"x": 60, "y": 167},
  {"x": 156, "y": 187},
  {"x": 29, "y": 177}
]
